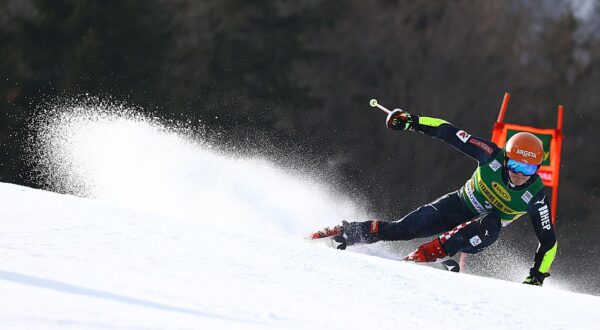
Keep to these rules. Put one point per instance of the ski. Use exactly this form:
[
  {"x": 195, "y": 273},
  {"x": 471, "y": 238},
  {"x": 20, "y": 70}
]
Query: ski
[
  {"x": 448, "y": 265},
  {"x": 338, "y": 242}
]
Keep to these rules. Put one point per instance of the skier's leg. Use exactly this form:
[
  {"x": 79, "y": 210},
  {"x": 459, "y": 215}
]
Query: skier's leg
[
  {"x": 472, "y": 236},
  {"x": 469, "y": 237},
  {"x": 434, "y": 218}
]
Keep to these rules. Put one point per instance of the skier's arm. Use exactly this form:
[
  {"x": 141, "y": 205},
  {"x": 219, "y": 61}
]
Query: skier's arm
[
  {"x": 539, "y": 213},
  {"x": 478, "y": 148}
]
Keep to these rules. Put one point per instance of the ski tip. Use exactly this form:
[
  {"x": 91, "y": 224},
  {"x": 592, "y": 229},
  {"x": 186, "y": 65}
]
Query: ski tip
[
  {"x": 373, "y": 103},
  {"x": 451, "y": 265}
]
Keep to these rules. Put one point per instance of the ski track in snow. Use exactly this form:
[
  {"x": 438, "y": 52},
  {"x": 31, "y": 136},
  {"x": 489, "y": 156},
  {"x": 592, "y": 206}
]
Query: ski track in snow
[{"x": 174, "y": 235}]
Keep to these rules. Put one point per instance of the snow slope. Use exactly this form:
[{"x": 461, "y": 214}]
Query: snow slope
[{"x": 173, "y": 234}]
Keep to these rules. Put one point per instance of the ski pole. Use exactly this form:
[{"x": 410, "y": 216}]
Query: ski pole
[{"x": 373, "y": 103}]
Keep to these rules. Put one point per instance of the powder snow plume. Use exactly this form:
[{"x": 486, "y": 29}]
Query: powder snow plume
[{"x": 115, "y": 154}]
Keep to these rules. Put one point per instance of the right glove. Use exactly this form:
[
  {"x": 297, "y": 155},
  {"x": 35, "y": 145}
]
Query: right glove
[{"x": 399, "y": 120}]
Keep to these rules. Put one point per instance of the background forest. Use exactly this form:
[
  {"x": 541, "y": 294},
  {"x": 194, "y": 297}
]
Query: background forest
[{"x": 290, "y": 80}]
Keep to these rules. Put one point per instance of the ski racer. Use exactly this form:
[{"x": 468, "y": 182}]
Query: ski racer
[{"x": 504, "y": 186}]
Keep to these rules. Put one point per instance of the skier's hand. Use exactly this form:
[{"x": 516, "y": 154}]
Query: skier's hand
[
  {"x": 399, "y": 120},
  {"x": 535, "y": 277}
]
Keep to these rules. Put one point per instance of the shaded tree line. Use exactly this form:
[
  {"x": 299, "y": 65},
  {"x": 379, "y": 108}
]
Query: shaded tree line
[{"x": 298, "y": 75}]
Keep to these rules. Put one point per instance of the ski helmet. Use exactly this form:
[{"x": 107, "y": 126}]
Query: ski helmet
[{"x": 526, "y": 148}]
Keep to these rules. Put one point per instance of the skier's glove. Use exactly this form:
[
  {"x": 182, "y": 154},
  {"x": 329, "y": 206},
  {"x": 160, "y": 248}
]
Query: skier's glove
[
  {"x": 535, "y": 277},
  {"x": 399, "y": 120}
]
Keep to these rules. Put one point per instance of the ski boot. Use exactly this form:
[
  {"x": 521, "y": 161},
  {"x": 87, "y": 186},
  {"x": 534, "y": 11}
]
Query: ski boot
[
  {"x": 428, "y": 252},
  {"x": 335, "y": 236}
]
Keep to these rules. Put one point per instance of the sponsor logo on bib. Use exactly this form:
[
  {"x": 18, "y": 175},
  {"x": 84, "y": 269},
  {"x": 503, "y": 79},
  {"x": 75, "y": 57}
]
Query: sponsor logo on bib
[
  {"x": 495, "y": 165},
  {"x": 470, "y": 191},
  {"x": 500, "y": 191},
  {"x": 527, "y": 197}
]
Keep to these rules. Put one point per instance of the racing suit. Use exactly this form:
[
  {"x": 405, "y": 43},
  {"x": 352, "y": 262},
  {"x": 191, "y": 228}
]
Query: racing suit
[{"x": 470, "y": 218}]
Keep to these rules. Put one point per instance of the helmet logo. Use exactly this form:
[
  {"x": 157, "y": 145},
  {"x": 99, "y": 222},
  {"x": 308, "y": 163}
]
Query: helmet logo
[
  {"x": 526, "y": 153},
  {"x": 500, "y": 191}
]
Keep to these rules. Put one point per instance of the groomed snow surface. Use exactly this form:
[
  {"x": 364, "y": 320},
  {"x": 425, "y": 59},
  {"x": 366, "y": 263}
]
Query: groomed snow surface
[{"x": 174, "y": 235}]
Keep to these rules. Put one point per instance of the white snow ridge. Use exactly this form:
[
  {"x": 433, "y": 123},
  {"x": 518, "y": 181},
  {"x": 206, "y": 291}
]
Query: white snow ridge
[{"x": 170, "y": 234}]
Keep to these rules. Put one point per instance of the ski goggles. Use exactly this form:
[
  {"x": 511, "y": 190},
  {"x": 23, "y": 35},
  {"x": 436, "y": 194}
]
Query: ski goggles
[{"x": 518, "y": 167}]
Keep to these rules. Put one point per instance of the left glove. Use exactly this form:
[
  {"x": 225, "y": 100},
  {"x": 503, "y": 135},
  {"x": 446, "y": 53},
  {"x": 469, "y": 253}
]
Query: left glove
[
  {"x": 399, "y": 120},
  {"x": 535, "y": 277}
]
